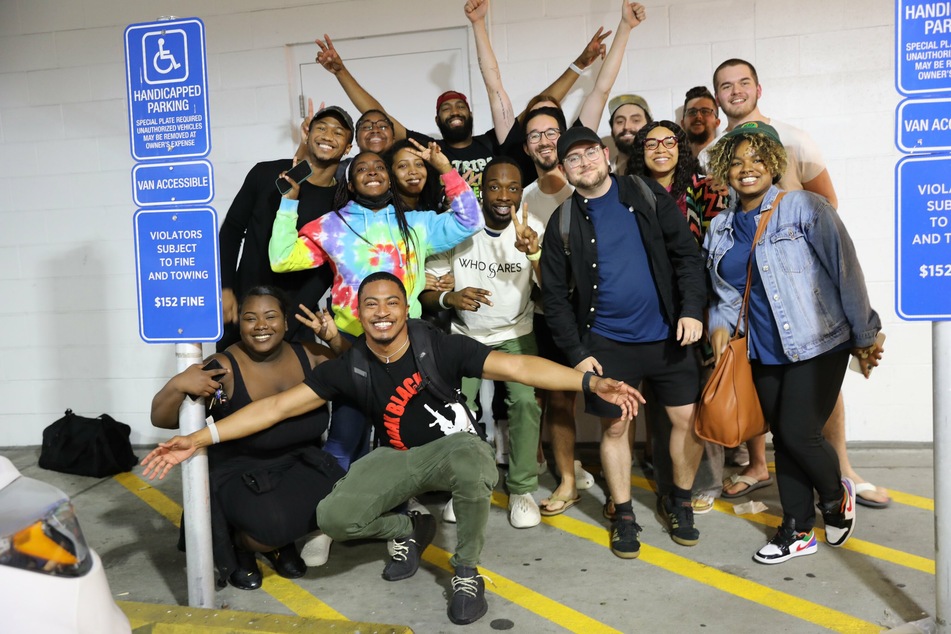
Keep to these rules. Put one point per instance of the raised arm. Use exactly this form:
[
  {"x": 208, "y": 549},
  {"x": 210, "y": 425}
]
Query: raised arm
[
  {"x": 503, "y": 116},
  {"x": 330, "y": 60},
  {"x": 594, "y": 49},
  {"x": 632, "y": 14},
  {"x": 248, "y": 420}
]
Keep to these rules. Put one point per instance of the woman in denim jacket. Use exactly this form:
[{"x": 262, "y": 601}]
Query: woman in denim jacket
[{"x": 808, "y": 310}]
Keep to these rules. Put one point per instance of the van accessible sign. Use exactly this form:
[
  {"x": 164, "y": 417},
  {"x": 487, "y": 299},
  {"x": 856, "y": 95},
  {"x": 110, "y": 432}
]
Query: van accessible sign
[
  {"x": 167, "y": 89},
  {"x": 923, "y": 64}
]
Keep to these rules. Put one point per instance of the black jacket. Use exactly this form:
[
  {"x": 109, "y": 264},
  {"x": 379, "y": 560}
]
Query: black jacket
[{"x": 569, "y": 283}]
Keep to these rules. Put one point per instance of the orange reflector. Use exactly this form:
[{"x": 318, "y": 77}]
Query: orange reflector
[{"x": 34, "y": 542}]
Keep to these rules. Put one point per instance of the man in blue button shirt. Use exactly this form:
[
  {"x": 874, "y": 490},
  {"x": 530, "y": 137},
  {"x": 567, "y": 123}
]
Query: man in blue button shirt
[{"x": 625, "y": 297}]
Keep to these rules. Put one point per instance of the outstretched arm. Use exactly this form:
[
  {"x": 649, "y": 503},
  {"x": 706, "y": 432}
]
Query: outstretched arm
[
  {"x": 503, "y": 116},
  {"x": 594, "y": 49},
  {"x": 632, "y": 14},
  {"x": 252, "y": 418},
  {"x": 330, "y": 60},
  {"x": 548, "y": 375}
]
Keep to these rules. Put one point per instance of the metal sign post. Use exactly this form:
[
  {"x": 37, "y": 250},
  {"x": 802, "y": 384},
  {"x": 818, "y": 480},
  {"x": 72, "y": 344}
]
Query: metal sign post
[
  {"x": 923, "y": 231},
  {"x": 176, "y": 244}
]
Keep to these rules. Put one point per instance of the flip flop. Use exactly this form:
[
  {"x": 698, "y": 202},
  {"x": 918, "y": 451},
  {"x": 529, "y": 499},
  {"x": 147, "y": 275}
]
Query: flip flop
[
  {"x": 868, "y": 487},
  {"x": 566, "y": 503},
  {"x": 751, "y": 485}
]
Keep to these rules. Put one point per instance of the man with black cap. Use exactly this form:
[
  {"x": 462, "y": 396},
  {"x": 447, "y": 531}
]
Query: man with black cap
[
  {"x": 251, "y": 216},
  {"x": 624, "y": 294}
]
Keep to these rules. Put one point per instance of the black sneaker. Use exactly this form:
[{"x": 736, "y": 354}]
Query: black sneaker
[
  {"x": 679, "y": 520},
  {"x": 786, "y": 544},
  {"x": 467, "y": 603},
  {"x": 247, "y": 576},
  {"x": 624, "y": 532},
  {"x": 840, "y": 518},
  {"x": 407, "y": 550}
]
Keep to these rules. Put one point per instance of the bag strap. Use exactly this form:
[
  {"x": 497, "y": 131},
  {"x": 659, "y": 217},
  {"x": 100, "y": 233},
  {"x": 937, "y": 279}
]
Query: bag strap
[
  {"x": 564, "y": 224},
  {"x": 744, "y": 316}
]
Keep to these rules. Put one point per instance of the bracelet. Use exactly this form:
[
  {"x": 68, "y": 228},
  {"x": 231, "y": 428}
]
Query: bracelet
[
  {"x": 534, "y": 257},
  {"x": 215, "y": 438},
  {"x": 586, "y": 382},
  {"x": 574, "y": 67},
  {"x": 442, "y": 296}
]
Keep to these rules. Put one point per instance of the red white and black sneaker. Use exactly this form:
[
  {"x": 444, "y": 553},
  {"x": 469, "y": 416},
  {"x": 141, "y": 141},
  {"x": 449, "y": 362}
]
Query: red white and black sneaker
[
  {"x": 840, "y": 520},
  {"x": 786, "y": 544}
]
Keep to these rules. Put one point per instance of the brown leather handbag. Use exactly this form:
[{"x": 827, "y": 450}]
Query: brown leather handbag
[{"x": 729, "y": 412}]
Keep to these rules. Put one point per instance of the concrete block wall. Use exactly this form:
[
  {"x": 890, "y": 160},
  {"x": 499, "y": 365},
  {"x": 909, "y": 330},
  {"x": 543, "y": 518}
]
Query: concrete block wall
[{"x": 66, "y": 244}]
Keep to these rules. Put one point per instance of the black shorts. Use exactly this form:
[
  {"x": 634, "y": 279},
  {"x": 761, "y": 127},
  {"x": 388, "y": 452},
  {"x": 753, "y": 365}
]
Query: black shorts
[
  {"x": 547, "y": 348},
  {"x": 673, "y": 370}
]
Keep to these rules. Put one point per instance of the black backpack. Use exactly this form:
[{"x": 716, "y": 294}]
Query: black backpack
[
  {"x": 564, "y": 214},
  {"x": 421, "y": 335}
]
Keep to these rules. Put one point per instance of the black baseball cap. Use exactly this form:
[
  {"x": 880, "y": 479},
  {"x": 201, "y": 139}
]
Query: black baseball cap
[
  {"x": 337, "y": 113},
  {"x": 573, "y": 136}
]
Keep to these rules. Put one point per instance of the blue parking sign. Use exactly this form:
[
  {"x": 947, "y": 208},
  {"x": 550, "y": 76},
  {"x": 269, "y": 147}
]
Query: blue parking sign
[{"x": 167, "y": 89}]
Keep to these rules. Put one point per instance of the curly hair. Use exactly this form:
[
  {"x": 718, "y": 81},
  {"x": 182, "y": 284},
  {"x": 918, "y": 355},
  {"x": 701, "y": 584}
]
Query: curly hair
[
  {"x": 772, "y": 153},
  {"x": 432, "y": 196},
  {"x": 687, "y": 166}
]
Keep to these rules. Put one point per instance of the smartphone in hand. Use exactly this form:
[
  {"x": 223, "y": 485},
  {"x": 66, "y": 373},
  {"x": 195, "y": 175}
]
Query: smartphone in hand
[
  {"x": 299, "y": 173},
  {"x": 214, "y": 365},
  {"x": 854, "y": 364}
]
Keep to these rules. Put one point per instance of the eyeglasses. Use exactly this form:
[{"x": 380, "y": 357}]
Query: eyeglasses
[
  {"x": 367, "y": 126},
  {"x": 705, "y": 112},
  {"x": 551, "y": 134},
  {"x": 670, "y": 142},
  {"x": 574, "y": 160}
]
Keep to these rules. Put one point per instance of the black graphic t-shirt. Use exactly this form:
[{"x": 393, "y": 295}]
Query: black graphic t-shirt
[
  {"x": 405, "y": 414},
  {"x": 469, "y": 161}
]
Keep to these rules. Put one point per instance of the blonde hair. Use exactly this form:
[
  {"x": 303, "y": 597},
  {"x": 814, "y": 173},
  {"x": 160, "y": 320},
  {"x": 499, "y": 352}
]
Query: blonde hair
[{"x": 772, "y": 153}]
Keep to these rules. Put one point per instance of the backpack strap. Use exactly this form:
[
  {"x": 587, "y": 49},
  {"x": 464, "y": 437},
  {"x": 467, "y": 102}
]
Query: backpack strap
[
  {"x": 564, "y": 224},
  {"x": 646, "y": 192},
  {"x": 360, "y": 369}
]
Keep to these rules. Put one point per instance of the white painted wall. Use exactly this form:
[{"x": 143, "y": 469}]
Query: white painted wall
[{"x": 66, "y": 251}]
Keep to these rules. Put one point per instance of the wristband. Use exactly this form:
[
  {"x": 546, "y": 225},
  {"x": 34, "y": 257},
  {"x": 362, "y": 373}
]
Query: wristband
[
  {"x": 442, "y": 296},
  {"x": 574, "y": 67},
  {"x": 586, "y": 382},
  {"x": 215, "y": 438},
  {"x": 534, "y": 257}
]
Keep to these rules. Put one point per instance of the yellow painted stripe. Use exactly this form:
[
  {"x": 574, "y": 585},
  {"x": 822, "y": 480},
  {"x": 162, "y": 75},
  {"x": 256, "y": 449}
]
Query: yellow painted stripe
[
  {"x": 559, "y": 614},
  {"x": 284, "y": 590},
  {"x": 153, "y": 497},
  {"x": 908, "y": 499},
  {"x": 891, "y": 555},
  {"x": 725, "y": 582}
]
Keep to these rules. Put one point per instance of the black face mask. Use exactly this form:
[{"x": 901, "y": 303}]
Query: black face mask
[{"x": 373, "y": 202}]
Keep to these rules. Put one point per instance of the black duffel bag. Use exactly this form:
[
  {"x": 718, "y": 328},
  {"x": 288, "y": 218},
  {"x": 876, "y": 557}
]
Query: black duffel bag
[{"x": 96, "y": 447}]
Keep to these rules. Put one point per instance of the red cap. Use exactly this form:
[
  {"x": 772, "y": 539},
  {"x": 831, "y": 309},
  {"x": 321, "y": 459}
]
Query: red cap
[{"x": 450, "y": 94}]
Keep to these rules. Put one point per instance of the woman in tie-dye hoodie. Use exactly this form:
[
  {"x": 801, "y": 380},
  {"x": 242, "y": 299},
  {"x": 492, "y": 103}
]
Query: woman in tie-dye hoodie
[{"x": 372, "y": 232}]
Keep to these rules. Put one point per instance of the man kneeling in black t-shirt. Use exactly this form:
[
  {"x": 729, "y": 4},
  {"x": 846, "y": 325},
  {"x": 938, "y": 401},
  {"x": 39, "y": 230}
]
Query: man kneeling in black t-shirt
[{"x": 429, "y": 443}]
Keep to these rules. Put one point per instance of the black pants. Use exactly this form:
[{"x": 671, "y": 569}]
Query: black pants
[{"x": 797, "y": 400}]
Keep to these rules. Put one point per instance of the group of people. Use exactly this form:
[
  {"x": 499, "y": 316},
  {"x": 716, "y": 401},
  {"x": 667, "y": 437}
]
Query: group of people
[{"x": 560, "y": 264}]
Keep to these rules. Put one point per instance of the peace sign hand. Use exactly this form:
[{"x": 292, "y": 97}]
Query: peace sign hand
[
  {"x": 432, "y": 155},
  {"x": 526, "y": 238}
]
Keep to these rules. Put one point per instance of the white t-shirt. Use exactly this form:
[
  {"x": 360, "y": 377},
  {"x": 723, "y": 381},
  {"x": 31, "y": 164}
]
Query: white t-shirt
[
  {"x": 804, "y": 160},
  {"x": 493, "y": 263},
  {"x": 541, "y": 205}
]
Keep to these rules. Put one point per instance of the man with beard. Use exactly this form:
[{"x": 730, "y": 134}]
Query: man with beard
[
  {"x": 468, "y": 154},
  {"x": 246, "y": 228},
  {"x": 626, "y": 295},
  {"x": 700, "y": 118},
  {"x": 428, "y": 440},
  {"x": 494, "y": 271},
  {"x": 738, "y": 90},
  {"x": 629, "y": 113}
]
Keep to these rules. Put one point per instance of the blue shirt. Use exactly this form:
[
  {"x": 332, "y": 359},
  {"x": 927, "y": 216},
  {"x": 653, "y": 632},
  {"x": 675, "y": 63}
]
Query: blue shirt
[
  {"x": 628, "y": 306},
  {"x": 763, "y": 340}
]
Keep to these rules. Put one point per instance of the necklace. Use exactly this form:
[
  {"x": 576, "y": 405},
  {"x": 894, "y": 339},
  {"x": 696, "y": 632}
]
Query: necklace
[{"x": 386, "y": 358}]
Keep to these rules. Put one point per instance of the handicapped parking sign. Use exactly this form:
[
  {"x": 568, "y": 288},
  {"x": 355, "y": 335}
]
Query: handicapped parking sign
[{"x": 167, "y": 90}]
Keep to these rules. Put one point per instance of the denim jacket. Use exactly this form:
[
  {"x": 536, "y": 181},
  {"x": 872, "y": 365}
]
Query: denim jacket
[{"x": 810, "y": 271}]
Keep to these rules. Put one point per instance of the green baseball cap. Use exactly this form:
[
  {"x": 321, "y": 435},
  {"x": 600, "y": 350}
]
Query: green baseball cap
[{"x": 754, "y": 127}]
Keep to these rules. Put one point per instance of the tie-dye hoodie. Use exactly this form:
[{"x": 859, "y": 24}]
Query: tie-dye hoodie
[{"x": 330, "y": 239}]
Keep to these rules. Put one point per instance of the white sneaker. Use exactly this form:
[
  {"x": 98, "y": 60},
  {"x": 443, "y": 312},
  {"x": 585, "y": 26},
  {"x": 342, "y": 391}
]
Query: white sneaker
[
  {"x": 316, "y": 549},
  {"x": 523, "y": 511},
  {"x": 448, "y": 514},
  {"x": 583, "y": 479}
]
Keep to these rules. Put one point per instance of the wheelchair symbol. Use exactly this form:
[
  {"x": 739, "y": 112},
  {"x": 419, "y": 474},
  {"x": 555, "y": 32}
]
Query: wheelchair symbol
[{"x": 164, "y": 56}]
